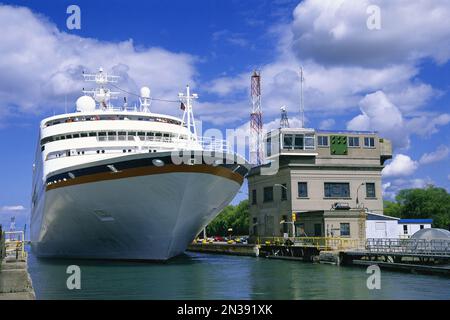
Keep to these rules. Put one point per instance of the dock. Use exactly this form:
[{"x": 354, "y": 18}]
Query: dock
[
  {"x": 408, "y": 255},
  {"x": 15, "y": 281},
  {"x": 237, "y": 249}
]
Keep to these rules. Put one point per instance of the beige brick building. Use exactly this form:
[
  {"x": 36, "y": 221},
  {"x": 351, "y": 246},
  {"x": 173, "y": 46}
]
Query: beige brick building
[{"x": 312, "y": 170}]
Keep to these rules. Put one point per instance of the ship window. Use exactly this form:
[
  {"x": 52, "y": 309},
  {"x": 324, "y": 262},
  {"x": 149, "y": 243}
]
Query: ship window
[
  {"x": 69, "y": 136},
  {"x": 102, "y": 134},
  {"x": 76, "y": 135},
  {"x": 62, "y": 137},
  {"x": 132, "y": 133},
  {"x": 103, "y": 151},
  {"x": 158, "y": 134},
  {"x": 92, "y": 134},
  {"x": 84, "y": 134},
  {"x": 141, "y": 133}
]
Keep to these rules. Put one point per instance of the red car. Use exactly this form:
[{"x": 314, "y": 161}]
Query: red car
[{"x": 218, "y": 238}]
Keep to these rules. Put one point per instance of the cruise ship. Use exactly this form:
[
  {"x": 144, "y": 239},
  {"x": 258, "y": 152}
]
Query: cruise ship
[{"x": 123, "y": 182}]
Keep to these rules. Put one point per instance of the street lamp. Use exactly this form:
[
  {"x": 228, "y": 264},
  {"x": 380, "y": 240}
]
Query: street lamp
[{"x": 357, "y": 194}]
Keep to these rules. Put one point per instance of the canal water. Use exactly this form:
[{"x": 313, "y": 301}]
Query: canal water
[{"x": 204, "y": 276}]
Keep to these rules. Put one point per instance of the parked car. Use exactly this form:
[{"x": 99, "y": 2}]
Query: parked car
[{"x": 219, "y": 238}]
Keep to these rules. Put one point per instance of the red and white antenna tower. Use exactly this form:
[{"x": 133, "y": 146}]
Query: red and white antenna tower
[{"x": 256, "y": 124}]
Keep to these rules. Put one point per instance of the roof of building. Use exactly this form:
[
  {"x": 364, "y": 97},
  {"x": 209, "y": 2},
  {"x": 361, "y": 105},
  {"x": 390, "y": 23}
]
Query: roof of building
[
  {"x": 415, "y": 221},
  {"x": 377, "y": 216},
  {"x": 432, "y": 234}
]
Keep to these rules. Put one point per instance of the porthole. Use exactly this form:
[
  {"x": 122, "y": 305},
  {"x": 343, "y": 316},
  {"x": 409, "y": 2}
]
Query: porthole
[{"x": 158, "y": 162}]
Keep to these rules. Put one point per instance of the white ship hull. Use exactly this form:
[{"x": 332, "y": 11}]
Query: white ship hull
[{"x": 137, "y": 216}]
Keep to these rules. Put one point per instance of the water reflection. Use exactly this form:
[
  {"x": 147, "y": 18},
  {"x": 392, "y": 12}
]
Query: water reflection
[{"x": 200, "y": 276}]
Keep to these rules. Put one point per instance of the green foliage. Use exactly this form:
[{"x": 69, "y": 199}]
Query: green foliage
[
  {"x": 235, "y": 217},
  {"x": 392, "y": 209},
  {"x": 431, "y": 202}
]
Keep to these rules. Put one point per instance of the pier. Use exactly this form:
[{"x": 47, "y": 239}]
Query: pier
[
  {"x": 15, "y": 282},
  {"x": 411, "y": 255}
]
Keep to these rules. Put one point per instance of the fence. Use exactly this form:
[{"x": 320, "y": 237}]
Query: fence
[
  {"x": 409, "y": 246},
  {"x": 320, "y": 243},
  {"x": 14, "y": 244}
]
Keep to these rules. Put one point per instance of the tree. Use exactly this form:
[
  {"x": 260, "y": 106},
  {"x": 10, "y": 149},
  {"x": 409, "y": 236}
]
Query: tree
[
  {"x": 431, "y": 202},
  {"x": 235, "y": 217}
]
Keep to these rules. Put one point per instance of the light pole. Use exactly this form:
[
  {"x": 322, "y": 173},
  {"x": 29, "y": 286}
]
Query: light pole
[
  {"x": 357, "y": 194},
  {"x": 282, "y": 221}
]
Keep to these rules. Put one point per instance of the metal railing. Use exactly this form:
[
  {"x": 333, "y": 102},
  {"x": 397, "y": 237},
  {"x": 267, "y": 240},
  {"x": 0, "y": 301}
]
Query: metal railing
[
  {"x": 409, "y": 246},
  {"x": 15, "y": 244},
  {"x": 321, "y": 243}
]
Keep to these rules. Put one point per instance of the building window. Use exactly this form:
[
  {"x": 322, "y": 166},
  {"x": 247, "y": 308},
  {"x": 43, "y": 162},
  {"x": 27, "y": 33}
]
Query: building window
[
  {"x": 369, "y": 142},
  {"x": 284, "y": 192},
  {"x": 285, "y": 225},
  {"x": 317, "y": 230},
  {"x": 405, "y": 229},
  {"x": 288, "y": 141},
  {"x": 322, "y": 141},
  {"x": 298, "y": 141},
  {"x": 302, "y": 190},
  {"x": 370, "y": 190},
  {"x": 254, "y": 200},
  {"x": 337, "y": 190},
  {"x": 269, "y": 146},
  {"x": 345, "y": 229},
  {"x": 353, "y": 141},
  {"x": 268, "y": 194}
]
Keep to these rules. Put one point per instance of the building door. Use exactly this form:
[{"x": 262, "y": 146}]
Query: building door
[{"x": 380, "y": 230}]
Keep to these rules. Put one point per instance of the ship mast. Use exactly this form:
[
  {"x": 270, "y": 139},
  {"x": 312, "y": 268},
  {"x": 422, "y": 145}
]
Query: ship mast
[
  {"x": 102, "y": 94},
  {"x": 188, "y": 115}
]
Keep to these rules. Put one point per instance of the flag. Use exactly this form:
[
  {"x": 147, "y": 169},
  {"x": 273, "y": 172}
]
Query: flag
[{"x": 183, "y": 107}]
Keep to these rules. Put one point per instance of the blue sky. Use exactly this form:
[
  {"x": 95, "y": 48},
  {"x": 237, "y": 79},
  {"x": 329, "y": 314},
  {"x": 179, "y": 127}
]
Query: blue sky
[{"x": 394, "y": 79}]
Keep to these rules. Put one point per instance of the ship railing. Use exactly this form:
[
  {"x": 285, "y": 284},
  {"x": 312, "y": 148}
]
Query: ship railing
[{"x": 213, "y": 144}]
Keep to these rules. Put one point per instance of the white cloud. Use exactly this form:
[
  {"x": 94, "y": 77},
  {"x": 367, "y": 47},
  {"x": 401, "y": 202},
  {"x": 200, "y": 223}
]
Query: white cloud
[
  {"x": 379, "y": 114},
  {"x": 14, "y": 208},
  {"x": 439, "y": 154},
  {"x": 41, "y": 65},
  {"x": 327, "y": 124},
  {"x": 391, "y": 188},
  {"x": 401, "y": 165},
  {"x": 335, "y": 32}
]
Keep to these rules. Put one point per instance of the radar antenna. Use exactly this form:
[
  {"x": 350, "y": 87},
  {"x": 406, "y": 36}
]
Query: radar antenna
[
  {"x": 284, "y": 120},
  {"x": 102, "y": 94}
]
